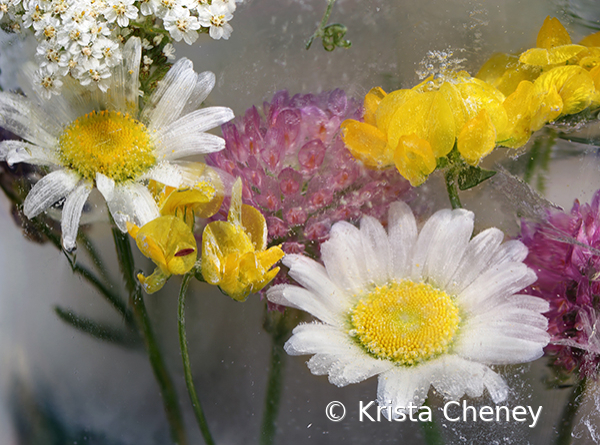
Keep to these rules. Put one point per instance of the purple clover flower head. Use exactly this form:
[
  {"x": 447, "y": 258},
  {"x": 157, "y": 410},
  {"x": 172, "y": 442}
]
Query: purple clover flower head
[
  {"x": 565, "y": 253},
  {"x": 297, "y": 171}
]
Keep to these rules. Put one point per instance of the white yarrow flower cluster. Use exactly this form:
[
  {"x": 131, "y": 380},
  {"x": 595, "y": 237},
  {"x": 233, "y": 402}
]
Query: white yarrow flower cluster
[
  {"x": 84, "y": 38},
  {"x": 418, "y": 309}
]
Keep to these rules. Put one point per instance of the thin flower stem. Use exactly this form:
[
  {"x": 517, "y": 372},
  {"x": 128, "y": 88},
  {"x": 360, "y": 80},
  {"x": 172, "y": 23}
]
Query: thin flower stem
[
  {"x": 136, "y": 299},
  {"x": 113, "y": 298},
  {"x": 452, "y": 187},
  {"x": 431, "y": 431},
  {"x": 565, "y": 427},
  {"x": 187, "y": 369},
  {"x": 92, "y": 251},
  {"x": 273, "y": 395}
]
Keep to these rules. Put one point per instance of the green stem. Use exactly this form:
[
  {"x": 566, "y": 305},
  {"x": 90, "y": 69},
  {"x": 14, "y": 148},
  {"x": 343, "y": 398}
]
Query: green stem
[
  {"x": 431, "y": 431},
  {"x": 452, "y": 187},
  {"x": 273, "y": 395},
  {"x": 92, "y": 251},
  {"x": 319, "y": 32},
  {"x": 113, "y": 298},
  {"x": 187, "y": 369},
  {"x": 567, "y": 422},
  {"x": 165, "y": 383}
]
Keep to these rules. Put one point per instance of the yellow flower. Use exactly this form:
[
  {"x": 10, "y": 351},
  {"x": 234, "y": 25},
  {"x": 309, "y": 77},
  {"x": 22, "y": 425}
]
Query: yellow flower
[
  {"x": 170, "y": 243},
  {"x": 234, "y": 252},
  {"x": 553, "y": 45},
  {"x": 203, "y": 199},
  {"x": 505, "y": 72},
  {"x": 561, "y": 91},
  {"x": 412, "y": 128},
  {"x": 169, "y": 239},
  {"x": 528, "y": 110},
  {"x": 414, "y": 159}
]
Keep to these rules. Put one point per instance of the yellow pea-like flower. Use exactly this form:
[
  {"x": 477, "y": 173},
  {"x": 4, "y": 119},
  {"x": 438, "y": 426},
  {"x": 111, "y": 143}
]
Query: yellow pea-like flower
[
  {"x": 505, "y": 72},
  {"x": 414, "y": 159},
  {"x": 366, "y": 143},
  {"x": 170, "y": 244},
  {"x": 412, "y": 128},
  {"x": 234, "y": 252},
  {"x": 574, "y": 85},
  {"x": 477, "y": 138},
  {"x": 553, "y": 45},
  {"x": 372, "y": 101}
]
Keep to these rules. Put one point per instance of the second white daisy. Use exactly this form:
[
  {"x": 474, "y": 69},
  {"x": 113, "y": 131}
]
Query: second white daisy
[{"x": 433, "y": 308}]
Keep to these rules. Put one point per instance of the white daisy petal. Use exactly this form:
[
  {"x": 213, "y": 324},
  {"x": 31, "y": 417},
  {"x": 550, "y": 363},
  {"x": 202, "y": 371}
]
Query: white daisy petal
[
  {"x": 490, "y": 346},
  {"x": 342, "y": 256},
  {"x": 454, "y": 377},
  {"x": 400, "y": 387},
  {"x": 376, "y": 249},
  {"x": 132, "y": 203},
  {"x": 204, "y": 85},
  {"x": 503, "y": 279},
  {"x": 179, "y": 67},
  {"x": 335, "y": 354},
  {"x": 20, "y": 117},
  {"x": 49, "y": 190},
  {"x": 300, "y": 298},
  {"x": 441, "y": 245},
  {"x": 477, "y": 258},
  {"x": 188, "y": 144},
  {"x": 198, "y": 121},
  {"x": 314, "y": 278},
  {"x": 510, "y": 251},
  {"x": 106, "y": 186},
  {"x": 165, "y": 173},
  {"x": 172, "y": 101},
  {"x": 19, "y": 151},
  {"x": 124, "y": 88},
  {"x": 402, "y": 238},
  {"x": 71, "y": 213}
]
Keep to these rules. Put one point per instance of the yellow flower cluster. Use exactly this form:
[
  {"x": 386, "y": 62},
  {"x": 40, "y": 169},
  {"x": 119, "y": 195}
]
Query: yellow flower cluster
[
  {"x": 234, "y": 253},
  {"x": 169, "y": 239},
  {"x": 511, "y": 97},
  {"x": 555, "y": 79}
]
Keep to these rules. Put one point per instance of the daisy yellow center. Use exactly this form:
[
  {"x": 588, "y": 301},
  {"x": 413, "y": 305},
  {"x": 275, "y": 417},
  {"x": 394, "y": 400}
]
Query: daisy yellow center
[
  {"x": 108, "y": 142},
  {"x": 405, "y": 322}
]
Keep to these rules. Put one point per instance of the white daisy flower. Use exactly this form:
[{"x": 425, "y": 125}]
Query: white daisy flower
[
  {"x": 92, "y": 139},
  {"x": 433, "y": 308}
]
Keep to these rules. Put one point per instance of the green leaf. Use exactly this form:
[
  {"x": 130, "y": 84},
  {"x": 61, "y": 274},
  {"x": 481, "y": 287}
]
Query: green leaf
[
  {"x": 333, "y": 36},
  {"x": 104, "y": 332},
  {"x": 469, "y": 177}
]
